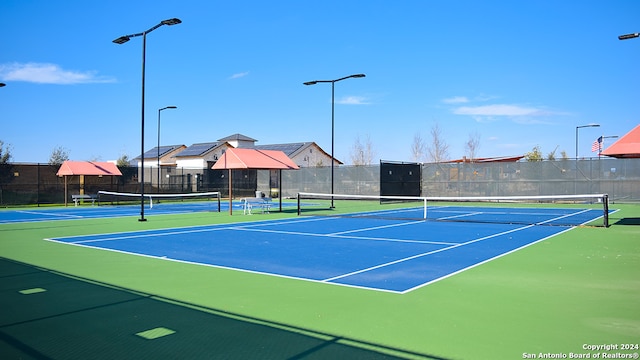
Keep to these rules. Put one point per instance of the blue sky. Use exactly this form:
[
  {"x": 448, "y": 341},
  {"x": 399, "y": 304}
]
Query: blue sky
[{"x": 516, "y": 73}]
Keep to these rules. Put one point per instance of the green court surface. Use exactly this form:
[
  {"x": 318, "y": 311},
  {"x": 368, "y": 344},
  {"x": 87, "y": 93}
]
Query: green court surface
[{"x": 579, "y": 288}]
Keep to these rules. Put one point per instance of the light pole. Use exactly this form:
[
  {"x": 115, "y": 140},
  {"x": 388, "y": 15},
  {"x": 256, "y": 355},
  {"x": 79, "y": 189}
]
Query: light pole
[
  {"x": 164, "y": 108},
  {"x": 122, "y": 40},
  {"x": 575, "y": 182},
  {"x": 579, "y": 127},
  {"x": 333, "y": 82},
  {"x": 602, "y": 143}
]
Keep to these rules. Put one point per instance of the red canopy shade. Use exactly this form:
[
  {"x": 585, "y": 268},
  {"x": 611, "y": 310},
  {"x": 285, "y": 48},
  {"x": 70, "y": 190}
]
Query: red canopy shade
[
  {"x": 235, "y": 158},
  {"x": 82, "y": 168},
  {"x": 254, "y": 159},
  {"x": 627, "y": 146},
  {"x": 88, "y": 168}
]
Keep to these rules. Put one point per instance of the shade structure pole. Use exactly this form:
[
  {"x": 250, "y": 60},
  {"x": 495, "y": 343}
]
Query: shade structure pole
[
  {"x": 280, "y": 188},
  {"x": 230, "y": 193}
]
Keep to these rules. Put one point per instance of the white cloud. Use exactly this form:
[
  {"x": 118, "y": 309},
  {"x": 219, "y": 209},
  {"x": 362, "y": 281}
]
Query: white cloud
[
  {"x": 353, "y": 100},
  {"x": 239, "y": 75},
  {"x": 499, "y": 110},
  {"x": 456, "y": 100},
  {"x": 45, "y": 73}
]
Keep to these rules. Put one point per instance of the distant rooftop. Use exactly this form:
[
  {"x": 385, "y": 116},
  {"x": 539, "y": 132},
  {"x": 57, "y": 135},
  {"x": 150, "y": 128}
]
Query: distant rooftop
[
  {"x": 199, "y": 149},
  {"x": 289, "y": 149},
  {"x": 237, "y": 137},
  {"x": 153, "y": 153}
]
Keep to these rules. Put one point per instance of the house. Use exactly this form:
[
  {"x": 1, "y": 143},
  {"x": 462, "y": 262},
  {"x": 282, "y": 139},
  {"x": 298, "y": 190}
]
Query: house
[
  {"x": 160, "y": 156},
  {"x": 304, "y": 154},
  {"x": 239, "y": 141},
  {"x": 202, "y": 155}
]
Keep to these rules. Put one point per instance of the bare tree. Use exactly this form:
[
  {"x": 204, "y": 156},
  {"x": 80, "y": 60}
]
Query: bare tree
[
  {"x": 5, "y": 153},
  {"x": 362, "y": 154},
  {"x": 418, "y": 148},
  {"x": 439, "y": 149},
  {"x": 58, "y": 156},
  {"x": 123, "y": 160},
  {"x": 564, "y": 155},
  {"x": 472, "y": 145}
]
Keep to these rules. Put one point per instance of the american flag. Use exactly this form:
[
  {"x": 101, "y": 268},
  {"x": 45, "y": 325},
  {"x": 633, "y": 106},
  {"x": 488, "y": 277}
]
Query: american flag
[{"x": 597, "y": 145}]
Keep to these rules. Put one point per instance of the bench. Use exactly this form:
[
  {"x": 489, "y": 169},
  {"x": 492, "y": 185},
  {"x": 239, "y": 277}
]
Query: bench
[
  {"x": 85, "y": 197},
  {"x": 264, "y": 203}
]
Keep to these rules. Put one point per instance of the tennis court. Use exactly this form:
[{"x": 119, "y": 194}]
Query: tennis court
[
  {"x": 387, "y": 281},
  {"x": 373, "y": 253}
]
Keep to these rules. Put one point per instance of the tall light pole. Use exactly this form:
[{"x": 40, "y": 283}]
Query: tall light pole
[
  {"x": 333, "y": 82},
  {"x": 575, "y": 182},
  {"x": 579, "y": 127},
  {"x": 122, "y": 40},
  {"x": 602, "y": 143},
  {"x": 164, "y": 108}
]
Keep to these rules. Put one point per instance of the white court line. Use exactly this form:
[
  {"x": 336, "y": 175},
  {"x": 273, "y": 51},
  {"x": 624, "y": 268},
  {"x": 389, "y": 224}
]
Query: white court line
[
  {"x": 425, "y": 254},
  {"x": 376, "y": 227},
  {"x": 344, "y": 236},
  {"x": 154, "y": 234},
  {"x": 49, "y": 214},
  {"x": 453, "y": 247},
  {"x": 172, "y": 231}
]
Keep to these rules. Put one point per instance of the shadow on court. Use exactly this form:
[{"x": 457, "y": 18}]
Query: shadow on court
[
  {"x": 628, "y": 221},
  {"x": 49, "y": 315}
]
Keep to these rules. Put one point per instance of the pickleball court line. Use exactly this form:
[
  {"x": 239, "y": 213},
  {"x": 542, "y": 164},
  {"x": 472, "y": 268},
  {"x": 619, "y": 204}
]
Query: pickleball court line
[
  {"x": 370, "y": 238},
  {"x": 426, "y": 254},
  {"x": 447, "y": 248}
]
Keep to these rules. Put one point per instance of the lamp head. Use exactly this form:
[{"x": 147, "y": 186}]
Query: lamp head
[
  {"x": 121, "y": 40},
  {"x": 173, "y": 21},
  {"x": 628, "y": 36},
  {"x": 358, "y": 76},
  {"x": 310, "y": 83}
]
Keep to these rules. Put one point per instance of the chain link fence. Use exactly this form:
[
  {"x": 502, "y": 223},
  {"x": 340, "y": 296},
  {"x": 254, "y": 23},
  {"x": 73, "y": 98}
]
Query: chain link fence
[{"x": 27, "y": 184}]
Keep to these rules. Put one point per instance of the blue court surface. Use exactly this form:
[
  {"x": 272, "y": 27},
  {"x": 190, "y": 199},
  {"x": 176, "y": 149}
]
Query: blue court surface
[
  {"x": 378, "y": 254},
  {"x": 94, "y": 212}
]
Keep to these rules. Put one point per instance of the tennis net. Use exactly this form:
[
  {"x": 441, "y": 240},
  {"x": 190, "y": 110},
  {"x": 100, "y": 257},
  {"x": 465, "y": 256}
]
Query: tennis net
[
  {"x": 204, "y": 201},
  {"x": 562, "y": 210}
]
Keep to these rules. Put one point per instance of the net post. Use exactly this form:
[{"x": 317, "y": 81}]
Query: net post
[
  {"x": 218, "y": 201},
  {"x": 425, "y": 208},
  {"x": 298, "y": 204},
  {"x": 605, "y": 201}
]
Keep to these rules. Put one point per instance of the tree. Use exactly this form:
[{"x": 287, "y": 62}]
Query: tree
[
  {"x": 418, "y": 148},
  {"x": 5, "y": 153},
  {"x": 534, "y": 155},
  {"x": 58, "y": 155},
  {"x": 472, "y": 145},
  {"x": 439, "y": 149},
  {"x": 123, "y": 160},
  {"x": 362, "y": 154},
  {"x": 564, "y": 155},
  {"x": 552, "y": 155}
]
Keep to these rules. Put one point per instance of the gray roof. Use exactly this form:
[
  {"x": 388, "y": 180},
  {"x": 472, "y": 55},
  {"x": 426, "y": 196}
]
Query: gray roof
[
  {"x": 153, "y": 153},
  {"x": 237, "y": 137},
  {"x": 289, "y": 149},
  {"x": 199, "y": 149}
]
